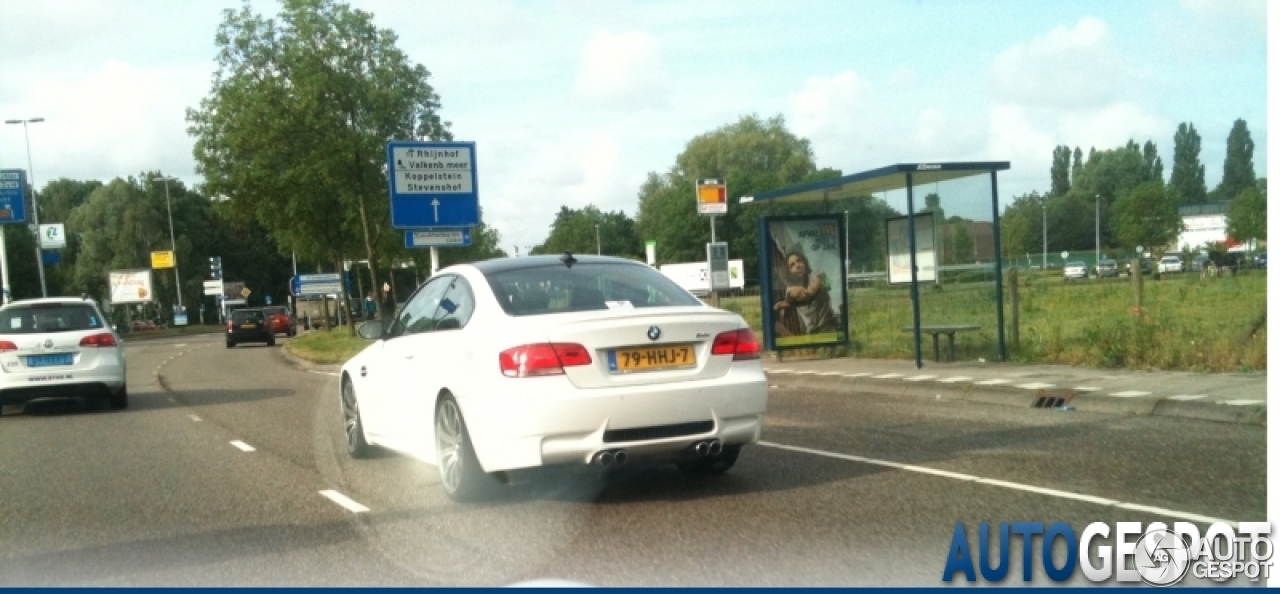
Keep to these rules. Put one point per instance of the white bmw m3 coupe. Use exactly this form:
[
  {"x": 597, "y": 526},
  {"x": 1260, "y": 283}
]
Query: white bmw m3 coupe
[{"x": 547, "y": 360}]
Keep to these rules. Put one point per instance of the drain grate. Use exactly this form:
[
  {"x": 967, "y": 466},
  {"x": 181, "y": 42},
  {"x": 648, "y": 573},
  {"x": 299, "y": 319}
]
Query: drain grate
[{"x": 1053, "y": 398}]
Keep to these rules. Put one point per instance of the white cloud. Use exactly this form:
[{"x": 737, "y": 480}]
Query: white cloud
[
  {"x": 853, "y": 125},
  {"x": 1069, "y": 67},
  {"x": 119, "y": 120},
  {"x": 622, "y": 71},
  {"x": 1113, "y": 126},
  {"x": 902, "y": 79},
  {"x": 1252, "y": 10}
]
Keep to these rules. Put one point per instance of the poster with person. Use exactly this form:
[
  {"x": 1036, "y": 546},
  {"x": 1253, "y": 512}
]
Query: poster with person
[{"x": 803, "y": 293}]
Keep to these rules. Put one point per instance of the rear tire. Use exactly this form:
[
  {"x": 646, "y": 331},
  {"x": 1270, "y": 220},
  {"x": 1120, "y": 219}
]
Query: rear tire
[
  {"x": 120, "y": 400},
  {"x": 460, "y": 473},
  {"x": 231, "y": 344},
  {"x": 271, "y": 341},
  {"x": 712, "y": 465}
]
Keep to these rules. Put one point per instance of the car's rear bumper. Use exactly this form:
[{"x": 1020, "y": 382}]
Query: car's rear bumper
[
  {"x": 20, "y": 388},
  {"x": 261, "y": 336},
  {"x": 545, "y": 421}
]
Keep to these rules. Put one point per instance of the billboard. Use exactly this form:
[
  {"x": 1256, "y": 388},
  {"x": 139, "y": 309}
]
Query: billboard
[
  {"x": 803, "y": 296},
  {"x": 898, "y": 251},
  {"x": 130, "y": 286}
]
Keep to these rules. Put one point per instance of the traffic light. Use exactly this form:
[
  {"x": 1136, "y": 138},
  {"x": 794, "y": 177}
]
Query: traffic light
[{"x": 215, "y": 268}]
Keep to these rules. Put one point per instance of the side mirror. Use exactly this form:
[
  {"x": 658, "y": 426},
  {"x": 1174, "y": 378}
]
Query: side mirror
[{"x": 371, "y": 330}]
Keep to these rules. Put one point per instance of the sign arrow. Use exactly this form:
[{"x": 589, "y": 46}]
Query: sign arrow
[{"x": 435, "y": 207}]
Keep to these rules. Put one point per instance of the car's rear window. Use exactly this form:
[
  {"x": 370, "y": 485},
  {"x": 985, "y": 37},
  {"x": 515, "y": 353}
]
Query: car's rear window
[
  {"x": 39, "y": 319},
  {"x": 246, "y": 316},
  {"x": 556, "y": 289}
]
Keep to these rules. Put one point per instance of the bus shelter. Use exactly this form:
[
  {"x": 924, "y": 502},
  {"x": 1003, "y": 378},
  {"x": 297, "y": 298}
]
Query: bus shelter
[{"x": 800, "y": 254}]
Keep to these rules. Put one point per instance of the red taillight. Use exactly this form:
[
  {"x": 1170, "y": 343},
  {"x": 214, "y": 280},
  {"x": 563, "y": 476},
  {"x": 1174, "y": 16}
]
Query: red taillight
[
  {"x": 105, "y": 339},
  {"x": 228, "y": 325},
  {"x": 739, "y": 343},
  {"x": 542, "y": 359},
  {"x": 6, "y": 346}
]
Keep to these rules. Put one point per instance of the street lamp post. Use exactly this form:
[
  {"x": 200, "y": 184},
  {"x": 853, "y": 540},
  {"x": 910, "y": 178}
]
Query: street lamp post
[
  {"x": 173, "y": 245},
  {"x": 1097, "y": 231},
  {"x": 597, "y": 240},
  {"x": 1044, "y": 229},
  {"x": 35, "y": 211}
]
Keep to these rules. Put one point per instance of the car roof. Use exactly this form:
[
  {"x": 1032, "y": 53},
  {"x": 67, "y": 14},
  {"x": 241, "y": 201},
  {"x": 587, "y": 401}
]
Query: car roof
[
  {"x": 47, "y": 301},
  {"x": 496, "y": 265}
]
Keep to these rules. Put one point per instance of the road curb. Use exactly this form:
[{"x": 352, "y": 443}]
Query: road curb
[
  {"x": 1011, "y": 395},
  {"x": 301, "y": 363}
]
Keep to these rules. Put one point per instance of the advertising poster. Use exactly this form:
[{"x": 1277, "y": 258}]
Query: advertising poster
[
  {"x": 897, "y": 234},
  {"x": 803, "y": 293},
  {"x": 130, "y": 286}
]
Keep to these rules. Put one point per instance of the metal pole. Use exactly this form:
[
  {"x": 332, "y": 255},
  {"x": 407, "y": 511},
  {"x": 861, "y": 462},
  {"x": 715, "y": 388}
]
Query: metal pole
[
  {"x": 435, "y": 260},
  {"x": 597, "y": 240},
  {"x": 847, "y": 264},
  {"x": 1097, "y": 232},
  {"x": 173, "y": 244},
  {"x": 1044, "y": 229},
  {"x": 915, "y": 289},
  {"x": 35, "y": 210},
  {"x": 713, "y": 228},
  {"x": 4, "y": 267},
  {"x": 995, "y": 217}
]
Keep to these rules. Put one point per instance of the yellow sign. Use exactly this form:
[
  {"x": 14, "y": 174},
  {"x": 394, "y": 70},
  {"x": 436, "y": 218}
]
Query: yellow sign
[
  {"x": 245, "y": 292},
  {"x": 162, "y": 259},
  {"x": 712, "y": 197}
]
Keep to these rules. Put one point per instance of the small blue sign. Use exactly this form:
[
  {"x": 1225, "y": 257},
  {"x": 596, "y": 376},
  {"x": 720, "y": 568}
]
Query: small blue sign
[
  {"x": 420, "y": 238},
  {"x": 432, "y": 184},
  {"x": 268, "y": 300},
  {"x": 51, "y": 257},
  {"x": 13, "y": 192}
]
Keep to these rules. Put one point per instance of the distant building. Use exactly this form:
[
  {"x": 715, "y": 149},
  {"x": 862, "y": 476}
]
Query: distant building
[{"x": 1204, "y": 224}]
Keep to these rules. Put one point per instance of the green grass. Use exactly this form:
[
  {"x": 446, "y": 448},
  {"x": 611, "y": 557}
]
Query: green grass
[
  {"x": 326, "y": 347},
  {"x": 1185, "y": 323}
]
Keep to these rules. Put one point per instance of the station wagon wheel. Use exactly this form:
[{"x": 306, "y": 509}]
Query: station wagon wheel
[
  {"x": 460, "y": 471},
  {"x": 352, "y": 423}
]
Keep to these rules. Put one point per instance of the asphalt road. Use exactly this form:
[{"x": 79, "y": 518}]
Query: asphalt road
[{"x": 847, "y": 490}]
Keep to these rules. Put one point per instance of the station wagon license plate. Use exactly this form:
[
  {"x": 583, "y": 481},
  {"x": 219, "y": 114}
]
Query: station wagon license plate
[
  {"x": 651, "y": 358},
  {"x": 48, "y": 360},
  {"x": 248, "y": 325}
]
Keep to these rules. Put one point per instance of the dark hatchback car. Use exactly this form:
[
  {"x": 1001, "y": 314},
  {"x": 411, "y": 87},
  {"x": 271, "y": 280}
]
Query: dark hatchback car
[{"x": 249, "y": 325}]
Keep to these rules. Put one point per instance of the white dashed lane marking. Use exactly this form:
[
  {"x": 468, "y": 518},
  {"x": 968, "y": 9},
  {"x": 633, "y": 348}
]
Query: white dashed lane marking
[
  {"x": 346, "y": 502},
  {"x": 993, "y": 382},
  {"x": 244, "y": 447},
  {"x": 1035, "y": 386},
  {"x": 917, "y": 378},
  {"x": 194, "y": 418},
  {"x": 1131, "y": 394},
  {"x": 1187, "y": 397},
  {"x": 886, "y": 376}
]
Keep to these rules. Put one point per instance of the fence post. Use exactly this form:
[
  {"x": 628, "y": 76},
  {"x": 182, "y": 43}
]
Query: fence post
[
  {"x": 1013, "y": 307},
  {"x": 1136, "y": 271}
]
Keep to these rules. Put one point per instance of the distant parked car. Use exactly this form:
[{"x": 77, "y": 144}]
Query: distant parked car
[
  {"x": 1145, "y": 266},
  {"x": 1199, "y": 262},
  {"x": 1261, "y": 260},
  {"x": 1107, "y": 267},
  {"x": 281, "y": 319},
  {"x": 1171, "y": 263},
  {"x": 1075, "y": 270}
]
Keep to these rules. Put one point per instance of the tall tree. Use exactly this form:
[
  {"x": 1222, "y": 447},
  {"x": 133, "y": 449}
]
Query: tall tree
[
  {"x": 586, "y": 230},
  {"x": 1155, "y": 167},
  {"x": 1107, "y": 175},
  {"x": 1060, "y": 171},
  {"x": 1186, "y": 180},
  {"x": 1147, "y": 216},
  {"x": 1247, "y": 215},
  {"x": 293, "y": 131},
  {"x": 753, "y": 155},
  {"x": 1076, "y": 163},
  {"x": 57, "y": 200},
  {"x": 1238, "y": 174}
]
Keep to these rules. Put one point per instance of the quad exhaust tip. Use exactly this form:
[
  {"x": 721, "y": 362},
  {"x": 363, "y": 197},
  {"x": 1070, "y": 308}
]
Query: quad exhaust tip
[{"x": 610, "y": 457}]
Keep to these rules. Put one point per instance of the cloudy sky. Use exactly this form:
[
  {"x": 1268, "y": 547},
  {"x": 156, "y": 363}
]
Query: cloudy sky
[{"x": 574, "y": 102}]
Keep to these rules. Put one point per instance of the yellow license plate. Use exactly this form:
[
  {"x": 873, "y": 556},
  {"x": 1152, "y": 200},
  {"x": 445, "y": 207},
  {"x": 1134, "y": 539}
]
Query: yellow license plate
[
  {"x": 647, "y": 359},
  {"x": 248, "y": 325}
]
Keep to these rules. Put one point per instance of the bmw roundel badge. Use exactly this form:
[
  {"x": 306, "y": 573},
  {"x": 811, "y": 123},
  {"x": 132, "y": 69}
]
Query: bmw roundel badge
[{"x": 654, "y": 333}]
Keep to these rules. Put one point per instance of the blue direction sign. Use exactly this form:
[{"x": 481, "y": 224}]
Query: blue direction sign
[
  {"x": 437, "y": 238},
  {"x": 13, "y": 192},
  {"x": 433, "y": 184}
]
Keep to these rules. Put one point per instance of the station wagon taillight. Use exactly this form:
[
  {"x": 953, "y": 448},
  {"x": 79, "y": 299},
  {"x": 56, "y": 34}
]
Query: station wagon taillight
[
  {"x": 533, "y": 360},
  {"x": 7, "y": 345},
  {"x": 740, "y": 343},
  {"x": 105, "y": 339}
]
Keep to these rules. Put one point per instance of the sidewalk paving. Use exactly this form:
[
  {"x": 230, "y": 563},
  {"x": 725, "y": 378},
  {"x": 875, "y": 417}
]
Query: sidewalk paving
[{"x": 1229, "y": 397}]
